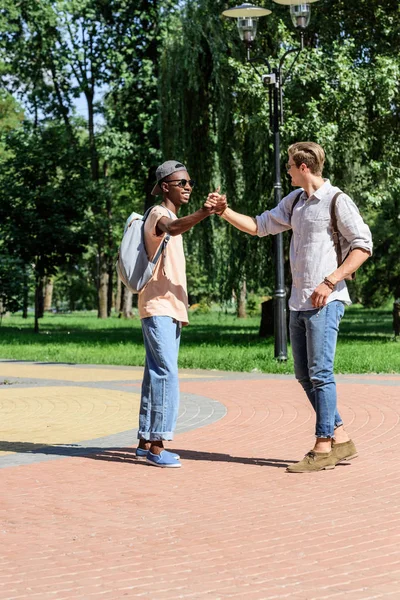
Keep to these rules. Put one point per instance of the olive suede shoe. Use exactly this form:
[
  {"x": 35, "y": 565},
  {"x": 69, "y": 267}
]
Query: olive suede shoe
[
  {"x": 314, "y": 461},
  {"x": 344, "y": 451}
]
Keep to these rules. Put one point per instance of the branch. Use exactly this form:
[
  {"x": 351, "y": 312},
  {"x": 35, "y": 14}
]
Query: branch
[{"x": 82, "y": 81}]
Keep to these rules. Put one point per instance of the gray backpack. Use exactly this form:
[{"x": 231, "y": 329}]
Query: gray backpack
[{"x": 133, "y": 265}]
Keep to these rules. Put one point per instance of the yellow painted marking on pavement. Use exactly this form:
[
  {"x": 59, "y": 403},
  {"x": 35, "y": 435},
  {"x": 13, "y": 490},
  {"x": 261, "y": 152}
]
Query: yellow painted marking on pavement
[
  {"x": 78, "y": 374},
  {"x": 30, "y": 417},
  {"x": 61, "y": 373}
]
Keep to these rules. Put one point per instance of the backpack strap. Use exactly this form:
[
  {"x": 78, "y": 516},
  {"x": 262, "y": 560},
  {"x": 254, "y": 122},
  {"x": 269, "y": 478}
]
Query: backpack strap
[
  {"x": 294, "y": 204},
  {"x": 335, "y": 230},
  {"x": 165, "y": 241}
]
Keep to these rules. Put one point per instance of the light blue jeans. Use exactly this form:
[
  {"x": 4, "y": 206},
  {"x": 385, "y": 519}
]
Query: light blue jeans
[
  {"x": 160, "y": 388},
  {"x": 313, "y": 336}
]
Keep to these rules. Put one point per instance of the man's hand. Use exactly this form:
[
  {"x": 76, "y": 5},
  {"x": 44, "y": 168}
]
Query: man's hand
[
  {"x": 214, "y": 204},
  {"x": 320, "y": 295},
  {"x": 353, "y": 261},
  {"x": 217, "y": 202},
  {"x": 210, "y": 205}
]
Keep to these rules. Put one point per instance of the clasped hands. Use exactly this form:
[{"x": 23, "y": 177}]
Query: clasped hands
[{"x": 216, "y": 203}]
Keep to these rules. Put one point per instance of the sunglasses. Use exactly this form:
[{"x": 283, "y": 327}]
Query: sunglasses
[{"x": 182, "y": 182}]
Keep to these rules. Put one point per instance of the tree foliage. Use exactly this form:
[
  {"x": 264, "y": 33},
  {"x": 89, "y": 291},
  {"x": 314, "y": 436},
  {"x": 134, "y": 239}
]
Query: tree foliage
[
  {"x": 343, "y": 92},
  {"x": 133, "y": 102},
  {"x": 43, "y": 200},
  {"x": 11, "y": 283},
  {"x": 168, "y": 79}
]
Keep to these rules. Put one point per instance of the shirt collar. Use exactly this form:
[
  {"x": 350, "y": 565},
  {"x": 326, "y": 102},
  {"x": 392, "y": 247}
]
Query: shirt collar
[{"x": 321, "y": 191}]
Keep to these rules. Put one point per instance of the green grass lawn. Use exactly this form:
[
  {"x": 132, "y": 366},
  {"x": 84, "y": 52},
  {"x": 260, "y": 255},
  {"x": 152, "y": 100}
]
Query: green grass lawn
[{"x": 213, "y": 341}]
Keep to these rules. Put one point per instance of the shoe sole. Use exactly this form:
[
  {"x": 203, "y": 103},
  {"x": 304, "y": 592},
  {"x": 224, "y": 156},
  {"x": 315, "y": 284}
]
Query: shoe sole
[
  {"x": 329, "y": 468},
  {"x": 171, "y": 466},
  {"x": 348, "y": 458}
]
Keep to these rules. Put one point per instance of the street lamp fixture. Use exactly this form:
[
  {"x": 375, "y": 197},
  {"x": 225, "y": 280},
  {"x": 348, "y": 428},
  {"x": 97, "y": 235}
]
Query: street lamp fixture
[
  {"x": 247, "y": 16},
  {"x": 300, "y": 14}
]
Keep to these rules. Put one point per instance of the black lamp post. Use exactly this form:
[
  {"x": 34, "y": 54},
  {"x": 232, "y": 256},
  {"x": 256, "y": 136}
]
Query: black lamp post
[{"x": 247, "y": 17}]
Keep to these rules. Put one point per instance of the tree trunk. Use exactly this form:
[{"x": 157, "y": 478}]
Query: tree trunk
[
  {"x": 48, "y": 294},
  {"x": 241, "y": 302},
  {"x": 102, "y": 286},
  {"x": 110, "y": 241},
  {"x": 38, "y": 302},
  {"x": 110, "y": 295},
  {"x": 118, "y": 296},
  {"x": 41, "y": 298},
  {"x": 63, "y": 109},
  {"x": 25, "y": 300},
  {"x": 396, "y": 318},
  {"x": 127, "y": 309},
  {"x": 94, "y": 159}
]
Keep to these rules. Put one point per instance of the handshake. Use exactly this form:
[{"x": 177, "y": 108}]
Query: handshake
[{"x": 216, "y": 203}]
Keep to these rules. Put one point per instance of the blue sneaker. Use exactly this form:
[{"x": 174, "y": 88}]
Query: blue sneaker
[
  {"x": 164, "y": 459},
  {"x": 142, "y": 453}
]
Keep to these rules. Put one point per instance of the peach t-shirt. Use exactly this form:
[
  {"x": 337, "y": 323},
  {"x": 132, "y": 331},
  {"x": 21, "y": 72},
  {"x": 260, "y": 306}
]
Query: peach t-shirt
[{"x": 166, "y": 293}]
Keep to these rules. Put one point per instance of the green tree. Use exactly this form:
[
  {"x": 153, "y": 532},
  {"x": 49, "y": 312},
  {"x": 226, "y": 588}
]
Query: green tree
[
  {"x": 74, "y": 285},
  {"x": 43, "y": 201},
  {"x": 11, "y": 116},
  {"x": 58, "y": 50},
  {"x": 11, "y": 283},
  {"x": 134, "y": 100}
]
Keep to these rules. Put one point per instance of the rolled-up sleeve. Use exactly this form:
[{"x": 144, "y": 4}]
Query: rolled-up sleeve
[
  {"x": 276, "y": 220},
  {"x": 351, "y": 224}
]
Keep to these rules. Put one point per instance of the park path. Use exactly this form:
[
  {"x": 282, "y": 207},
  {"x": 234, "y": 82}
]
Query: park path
[{"x": 82, "y": 518}]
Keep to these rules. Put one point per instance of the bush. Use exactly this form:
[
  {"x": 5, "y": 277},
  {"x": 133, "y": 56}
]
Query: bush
[
  {"x": 203, "y": 307},
  {"x": 253, "y": 305}
]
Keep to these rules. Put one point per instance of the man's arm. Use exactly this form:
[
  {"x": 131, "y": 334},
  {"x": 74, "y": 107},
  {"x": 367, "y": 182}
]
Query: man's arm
[
  {"x": 353, "y": 261},
  {"x": 242, "y": 222},
  {"x": 269, "y": 222},
  {"x": 177, "y": 226}
]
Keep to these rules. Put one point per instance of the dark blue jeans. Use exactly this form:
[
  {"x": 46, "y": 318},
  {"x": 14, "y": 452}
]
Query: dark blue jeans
[{"x": 313, "y": 336}]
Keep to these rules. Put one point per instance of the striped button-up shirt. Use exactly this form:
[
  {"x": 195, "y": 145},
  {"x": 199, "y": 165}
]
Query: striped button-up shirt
[{"x": 312, "y": 250}]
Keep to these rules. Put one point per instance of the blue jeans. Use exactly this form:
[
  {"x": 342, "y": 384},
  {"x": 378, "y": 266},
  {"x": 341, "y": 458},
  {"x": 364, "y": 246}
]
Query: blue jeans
[
  {"x": 313, "y": 336},
  {"x": 160, "y": 388}
]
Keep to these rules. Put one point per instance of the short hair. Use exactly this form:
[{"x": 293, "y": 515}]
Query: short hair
[{"x": 308, "y": 153}]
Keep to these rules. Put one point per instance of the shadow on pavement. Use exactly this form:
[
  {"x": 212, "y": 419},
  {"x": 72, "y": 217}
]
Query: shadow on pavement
[
  {"x": 219, "y": 457},
  {"x": 128, "y": 454}
]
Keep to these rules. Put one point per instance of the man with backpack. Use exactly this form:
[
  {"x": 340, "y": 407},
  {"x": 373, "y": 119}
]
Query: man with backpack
[
  {"x": 319, "y": 292},
  {"x": 163, "y": 306}
]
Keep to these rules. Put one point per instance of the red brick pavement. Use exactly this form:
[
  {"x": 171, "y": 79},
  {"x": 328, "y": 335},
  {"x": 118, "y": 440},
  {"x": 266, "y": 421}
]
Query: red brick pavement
[{"x": 230, "y": 524}]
